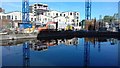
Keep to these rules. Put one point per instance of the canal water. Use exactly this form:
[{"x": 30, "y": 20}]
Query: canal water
[{"x": 61, "y": 52}]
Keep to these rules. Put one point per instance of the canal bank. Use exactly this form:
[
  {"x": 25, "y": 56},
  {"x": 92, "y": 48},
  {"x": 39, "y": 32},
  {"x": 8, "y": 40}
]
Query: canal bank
[
  {"x": 17, "y": 36},
  {"x": 80, "y": 34}
]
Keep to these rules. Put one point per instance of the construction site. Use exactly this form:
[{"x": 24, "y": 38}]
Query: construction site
[{"x": 57, "y": 42}]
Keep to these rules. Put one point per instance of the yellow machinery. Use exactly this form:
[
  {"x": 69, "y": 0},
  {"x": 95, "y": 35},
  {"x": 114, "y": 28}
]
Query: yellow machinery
[
  {"x": 69, "y": 27},
  {"x": 29, "y": 30}
]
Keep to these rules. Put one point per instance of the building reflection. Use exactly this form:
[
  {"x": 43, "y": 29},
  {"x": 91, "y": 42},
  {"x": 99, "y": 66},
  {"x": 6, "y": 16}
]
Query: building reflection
[
  {"x": 96, "y": 42},
  {"x": 73, "y": 41},
  {"x": 42, "y": 45}
]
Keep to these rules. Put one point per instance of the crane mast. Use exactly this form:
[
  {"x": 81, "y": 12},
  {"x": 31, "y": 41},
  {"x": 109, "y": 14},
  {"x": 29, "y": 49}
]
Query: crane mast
[{"x": 88, "y": 9}]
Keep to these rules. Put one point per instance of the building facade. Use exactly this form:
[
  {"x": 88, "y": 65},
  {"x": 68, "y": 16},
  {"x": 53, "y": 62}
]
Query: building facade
[
  {"x": 38, "y": 8},
  {"x": 44, "y": 15},
  {"x": 10, "y": 19}
]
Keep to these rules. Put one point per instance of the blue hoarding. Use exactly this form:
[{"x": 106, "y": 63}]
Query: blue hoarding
[{"x": 25, "y": 25}]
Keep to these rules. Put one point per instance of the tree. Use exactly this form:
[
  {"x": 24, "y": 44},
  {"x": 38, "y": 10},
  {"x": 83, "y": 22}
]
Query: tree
[{"x": 109, "y": 18}]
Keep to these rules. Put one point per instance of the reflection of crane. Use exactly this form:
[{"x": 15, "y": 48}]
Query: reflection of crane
[
  {"x": 86, "y": 54},
  {"x": 26, "y": 54}
]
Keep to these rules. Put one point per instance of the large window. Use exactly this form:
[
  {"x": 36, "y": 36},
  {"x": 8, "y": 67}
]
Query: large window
[
  {"x": 15, "y": 17},
  {"x": 8, "y": 17},
  {"x": 3, "y": 17}
]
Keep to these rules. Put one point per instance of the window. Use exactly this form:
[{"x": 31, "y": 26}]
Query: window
[
  {"x": 35, "y": 5},
  {"x": 45, "y": 19},
  {"x": 35, "y": 19},
  {"x": 60, "y": 14},
  {"x": 73, "y": 20},
  {"x": 59, "y": 20},
  {"x": 77, "y": 20},
  {"x": 12, "y": 17},
  {"x": 56, "y": 14},
  {"x": 45, "y": 14},
  {"x": 70, "y": 13},
  {"x": 64, "y": 15},
  {"x": 8, "y": 17},
  {"x": 77, "y": 13},
  {"x": 77, "y": 17},
  {"x": 3, "y": 17},
  {"x": 48, "y": 14},
  {"x": 40, "y": 19},
  {"x": 31, "y": 19},
  {"x": 15, "y": 17}
]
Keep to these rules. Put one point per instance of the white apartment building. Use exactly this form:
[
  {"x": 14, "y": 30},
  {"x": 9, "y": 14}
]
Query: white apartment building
[
  {"x": 38, "y": 8},
  {"x": 68, "y": 17},
  {"x": 44, "y": 15},
  {"x": 11, "y": 16},
  {"x": 72, "y": 17}
]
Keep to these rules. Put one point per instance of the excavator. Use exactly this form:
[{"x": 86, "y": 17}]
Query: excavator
[{"x": 49, "y": 26}]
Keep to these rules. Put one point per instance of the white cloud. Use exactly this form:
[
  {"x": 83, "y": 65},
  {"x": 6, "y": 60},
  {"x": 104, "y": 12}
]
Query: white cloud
[{"x": 60, "y": 0}]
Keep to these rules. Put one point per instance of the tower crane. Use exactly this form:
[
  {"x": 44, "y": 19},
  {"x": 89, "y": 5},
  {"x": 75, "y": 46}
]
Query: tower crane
[{"x": 88, "y": 9}]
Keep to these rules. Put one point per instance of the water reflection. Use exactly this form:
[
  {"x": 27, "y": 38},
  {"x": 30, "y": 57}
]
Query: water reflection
[
  {"x": 26, "y": 54},
  {"x": 42, "y": 45},
  {"x": 85, "y": 47}
]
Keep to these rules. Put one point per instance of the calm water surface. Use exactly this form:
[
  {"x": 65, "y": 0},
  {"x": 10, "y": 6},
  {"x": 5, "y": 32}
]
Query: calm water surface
[{"x": 61, "y": 52}]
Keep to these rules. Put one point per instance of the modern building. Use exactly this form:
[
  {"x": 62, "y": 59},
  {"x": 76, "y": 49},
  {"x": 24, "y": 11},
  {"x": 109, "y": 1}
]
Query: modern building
[
  {"x": 11, "y": 18},
  {"x": 72, "y": 17},
  {"x": 38, "y": 8}
]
